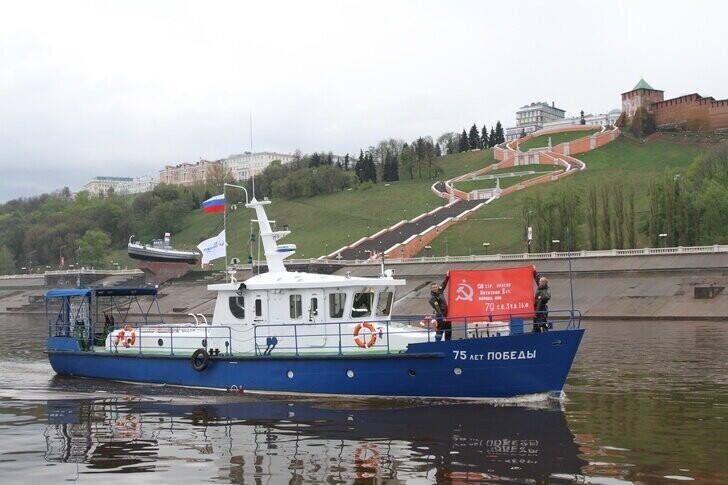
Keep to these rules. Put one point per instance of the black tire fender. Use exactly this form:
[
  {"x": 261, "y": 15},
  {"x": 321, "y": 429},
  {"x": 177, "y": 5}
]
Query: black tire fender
[{"x": 200, "y": 360}]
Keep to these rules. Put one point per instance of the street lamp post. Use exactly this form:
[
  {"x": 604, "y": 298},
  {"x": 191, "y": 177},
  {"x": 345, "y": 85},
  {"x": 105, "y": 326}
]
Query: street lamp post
[
  {"x": 663, "y": 236},
  {"x": 485, "y": 247}
]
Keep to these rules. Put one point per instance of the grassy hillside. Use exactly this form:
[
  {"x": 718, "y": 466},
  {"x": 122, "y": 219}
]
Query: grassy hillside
[
  {"x": 325, "y": 223},
  {"x": 501, "y": 223},
  {"x": 556, "y": 138},
  {"x": 468, "y": 185}
]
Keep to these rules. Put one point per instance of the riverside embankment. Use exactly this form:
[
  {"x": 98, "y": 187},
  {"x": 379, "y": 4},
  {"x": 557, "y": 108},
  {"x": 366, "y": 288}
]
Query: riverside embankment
[{"x": 661, "y": 287}]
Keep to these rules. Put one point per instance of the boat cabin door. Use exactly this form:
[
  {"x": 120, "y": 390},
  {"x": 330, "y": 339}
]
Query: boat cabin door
[
  {"x": 260, "y": 308},
  {"x": 315, "y": 330}
]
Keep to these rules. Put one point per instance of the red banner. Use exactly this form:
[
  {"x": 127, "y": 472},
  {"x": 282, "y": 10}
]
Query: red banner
[{"x": 499, "y": 292}]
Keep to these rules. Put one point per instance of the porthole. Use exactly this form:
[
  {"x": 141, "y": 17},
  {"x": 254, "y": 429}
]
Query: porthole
[
  {"x": 411, "y": 372},
  {"x": 457, "y": 371},
  {"x": 289, "y": 374},
  {"x": 204, "y": 343},
  {"x": 350, "y": 373},
  {"x": 160, "y": 342}
]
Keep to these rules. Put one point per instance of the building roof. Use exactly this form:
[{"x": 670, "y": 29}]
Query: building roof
[{"x": 642, "y": 84}]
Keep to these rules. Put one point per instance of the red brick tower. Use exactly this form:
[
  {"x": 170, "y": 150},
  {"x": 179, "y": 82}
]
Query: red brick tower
[{"x": 642, "y": 95}]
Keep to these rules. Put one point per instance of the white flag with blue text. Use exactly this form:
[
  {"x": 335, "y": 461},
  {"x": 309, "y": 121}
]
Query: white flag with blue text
[{"x": 213, "y": 248}]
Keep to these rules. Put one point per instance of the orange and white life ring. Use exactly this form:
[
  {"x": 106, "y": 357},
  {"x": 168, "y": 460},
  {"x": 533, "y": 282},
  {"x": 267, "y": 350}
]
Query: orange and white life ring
[
  {"x": 365, "y": 344},
  {"x": 125, "y": 337}
]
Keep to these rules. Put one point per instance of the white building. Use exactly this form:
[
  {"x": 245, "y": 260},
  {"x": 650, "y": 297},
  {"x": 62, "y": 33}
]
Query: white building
[
  {"x": 245, "y": 165},
  {"x": 532, "y": 117},
  {"x": 102, "y": 186},
  {"x": 603, "y": 119}
]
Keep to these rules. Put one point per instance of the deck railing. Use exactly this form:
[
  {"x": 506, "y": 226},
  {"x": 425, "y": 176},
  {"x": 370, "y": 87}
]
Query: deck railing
[
  {"x": 286, "y": 337},
  {"x": 302, "y": 338}
]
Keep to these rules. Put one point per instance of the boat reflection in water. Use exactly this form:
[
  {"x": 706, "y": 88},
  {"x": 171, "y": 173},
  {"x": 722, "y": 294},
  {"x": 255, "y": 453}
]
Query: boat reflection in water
[{"x": 243, "y": 437}]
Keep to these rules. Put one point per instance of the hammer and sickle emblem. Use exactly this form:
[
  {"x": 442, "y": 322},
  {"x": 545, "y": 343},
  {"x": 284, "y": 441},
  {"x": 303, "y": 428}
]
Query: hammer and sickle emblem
[{"x": 464, "y": 292}]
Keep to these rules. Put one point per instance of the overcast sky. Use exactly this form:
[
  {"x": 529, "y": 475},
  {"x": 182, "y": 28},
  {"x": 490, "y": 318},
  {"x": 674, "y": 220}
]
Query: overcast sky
[{"x": 125, "y": 87}]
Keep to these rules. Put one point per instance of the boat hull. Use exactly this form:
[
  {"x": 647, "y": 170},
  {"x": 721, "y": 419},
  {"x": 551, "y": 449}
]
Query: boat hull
[
  {"x": 478, "y": 368},
  {"x": 161, "y": 256}
]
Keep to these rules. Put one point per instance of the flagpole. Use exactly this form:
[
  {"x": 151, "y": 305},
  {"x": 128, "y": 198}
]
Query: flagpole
[{"x": 224, "y": 228}]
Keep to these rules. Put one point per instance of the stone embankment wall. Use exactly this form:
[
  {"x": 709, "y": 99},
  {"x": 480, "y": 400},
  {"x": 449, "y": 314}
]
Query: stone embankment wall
[{"x": 659, "y": 287}]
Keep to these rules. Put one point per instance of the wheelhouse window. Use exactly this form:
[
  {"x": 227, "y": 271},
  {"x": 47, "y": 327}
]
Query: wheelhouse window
[
  {"x": 384, "y": 304},
  {"x": 237, "y": 306},
  {"x": 296, "y": 306},
  {"x": 336, "y": 305},
  {"x": 362, "y": 305}
]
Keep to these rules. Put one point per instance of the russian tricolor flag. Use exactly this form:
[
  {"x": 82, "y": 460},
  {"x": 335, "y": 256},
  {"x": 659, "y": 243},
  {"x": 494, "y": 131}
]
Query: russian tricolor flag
[{"x": 214, "y": 204}]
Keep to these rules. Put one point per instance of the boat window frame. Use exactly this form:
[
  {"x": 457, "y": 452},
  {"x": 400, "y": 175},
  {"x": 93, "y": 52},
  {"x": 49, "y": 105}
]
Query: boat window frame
[
  {"x": 332, "y": 304},
  {"x": 354, "y": 303},
  {"x": 233, "y": 303},
  {"x": 389, "y": 306},
  {"x": 295, "y": 306}
]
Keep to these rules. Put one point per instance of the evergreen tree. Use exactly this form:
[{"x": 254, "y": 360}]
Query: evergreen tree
[
  {"x": 464, "y": 144},
  {"x": 330, "y": 159},
  {"x": 499, "y": 135},
  {"x": 346, "y": 161},
  {"x": 359, "y": 166},
  {"x": 438, "y": 151},
  {"x": 474, "y": 137},
  {"x": 390, "y": 169},
  {"x": 314, "y": 161},
  {"x": 370, "y": 168},
  {"x": 484, "y": 139},
  {"x": 492, "y": 138}
]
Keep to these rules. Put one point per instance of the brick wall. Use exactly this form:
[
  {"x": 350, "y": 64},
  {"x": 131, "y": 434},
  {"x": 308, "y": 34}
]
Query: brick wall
[{"x": 719, "y": 115}]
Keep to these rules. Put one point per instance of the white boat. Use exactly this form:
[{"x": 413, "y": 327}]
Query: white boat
[{"x": 160, "y": 250}]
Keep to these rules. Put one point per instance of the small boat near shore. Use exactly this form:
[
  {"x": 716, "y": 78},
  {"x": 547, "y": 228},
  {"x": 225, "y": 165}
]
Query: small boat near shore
[
  {"x": 287, "y": 332},
  {"x": 161, "y": 251}
]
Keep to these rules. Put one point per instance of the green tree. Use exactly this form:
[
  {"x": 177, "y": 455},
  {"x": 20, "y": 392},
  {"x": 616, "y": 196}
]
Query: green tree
[
  {"x": 499, "y": 134},
  {"x": 7, "y": 263},
  {"x": 464, "y": 144},
  {"x": 713, "y": 208},
  {"x": 654, "y": 213},
  {"x": 93, "y": 248},
  {"x": 450, "y": 142},
  {"x": 619, "y": 222},
  {"x": 492, "y": 139},
  {"x": 592, "y": 215},
  {"x": 474, "y": 137},
  {"x": 484, "y": 139},
  {"x": 606, "y": 225},
  {"x": 407, "y": 162},
  {"x": 629, "y": 223},
  {"x": 643, "y": 123}
]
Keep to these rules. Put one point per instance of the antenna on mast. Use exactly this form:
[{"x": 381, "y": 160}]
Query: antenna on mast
[{"x": 251, "y": 151}]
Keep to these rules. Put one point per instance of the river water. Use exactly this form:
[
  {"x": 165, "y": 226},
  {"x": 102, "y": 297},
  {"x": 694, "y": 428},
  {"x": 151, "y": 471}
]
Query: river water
[{"x": 646, "y": 402}]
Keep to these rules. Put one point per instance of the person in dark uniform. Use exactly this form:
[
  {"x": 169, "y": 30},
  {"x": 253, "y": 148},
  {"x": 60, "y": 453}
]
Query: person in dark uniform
[
  {"x": 439, "y": 305},
  {"x": 540, "y": 305}
]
